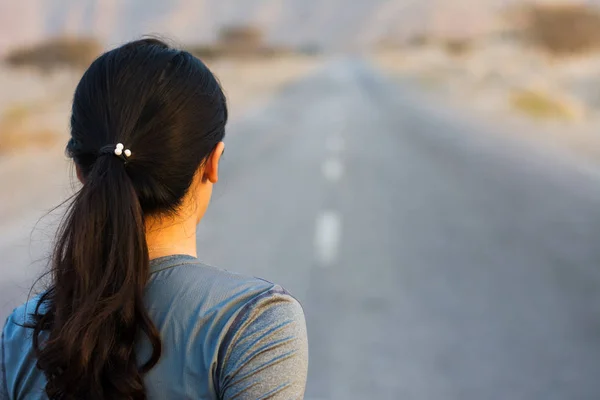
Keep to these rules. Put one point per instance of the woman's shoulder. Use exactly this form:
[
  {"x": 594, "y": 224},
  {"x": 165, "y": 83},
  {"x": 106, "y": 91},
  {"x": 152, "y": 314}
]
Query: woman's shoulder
[
  {"x": 264, "y": 349},
  {"x": 188, "y": 274},
  {"x": 216, "y": 291},
  {"x": 22, "y": 316},
  {"x": 16, "y": 333},
  {"x": 17, "y": 352},
  {"x": 241, "y": 316}
]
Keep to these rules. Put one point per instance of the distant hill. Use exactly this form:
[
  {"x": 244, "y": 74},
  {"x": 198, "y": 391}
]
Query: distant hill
[{"x": 328, "y": 23}]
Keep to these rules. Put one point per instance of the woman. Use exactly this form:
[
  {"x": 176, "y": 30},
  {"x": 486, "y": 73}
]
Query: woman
[{"x": 131, "y": 313}]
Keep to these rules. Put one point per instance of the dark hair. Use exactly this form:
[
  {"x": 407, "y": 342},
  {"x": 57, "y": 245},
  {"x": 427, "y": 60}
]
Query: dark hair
[{"x": 168, "y": 108}]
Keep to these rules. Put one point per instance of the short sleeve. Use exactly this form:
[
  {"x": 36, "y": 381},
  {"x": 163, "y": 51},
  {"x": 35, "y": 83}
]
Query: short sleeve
[{"x": 264, "y": 355}]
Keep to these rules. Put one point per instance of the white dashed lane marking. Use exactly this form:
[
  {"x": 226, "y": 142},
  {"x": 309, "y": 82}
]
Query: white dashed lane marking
[
  {"x": 327, "y": 237},
  {"x": 333, "y": 169}
]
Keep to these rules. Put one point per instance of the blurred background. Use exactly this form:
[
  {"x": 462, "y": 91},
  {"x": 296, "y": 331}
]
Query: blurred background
[{"x": 424, "y": 176}]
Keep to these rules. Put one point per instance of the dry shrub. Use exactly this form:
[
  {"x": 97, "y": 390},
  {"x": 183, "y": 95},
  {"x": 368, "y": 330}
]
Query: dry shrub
[
  {"x": 241, "y": 40},
  {"x": 55, "y": 53},
  {"x": 563, "y": 29},
  {"x": 310, "y": 49},
  {"x": 211, "y": 53},
  {"x": 274, "y": 52},
  {"x": 13, "y": 140},
  {"x": 22, "y": 128},
  {"x": 241, "y": 35},
  {"x": 457, "y": 47},
  {"x": 206, "y": 52},
  {"x": 419, "y": 40},
  {"x": 542, "y": 105},
  {"x": 238, "y": 42},
  {"x": 388, "y": 43}
]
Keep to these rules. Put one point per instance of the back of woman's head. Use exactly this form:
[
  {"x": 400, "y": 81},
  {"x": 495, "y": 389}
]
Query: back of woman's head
[{"x": 167, "y": 108}]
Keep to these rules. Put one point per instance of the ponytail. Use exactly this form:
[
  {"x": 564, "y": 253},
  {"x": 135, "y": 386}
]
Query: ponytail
[{"x": 93, "y": 312}]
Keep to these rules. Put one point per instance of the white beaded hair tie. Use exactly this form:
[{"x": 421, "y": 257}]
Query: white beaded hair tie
[{"x": 119, "y": 150}]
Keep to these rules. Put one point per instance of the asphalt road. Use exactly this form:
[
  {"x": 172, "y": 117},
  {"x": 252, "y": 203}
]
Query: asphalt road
[{"x": 435, "y": 258}]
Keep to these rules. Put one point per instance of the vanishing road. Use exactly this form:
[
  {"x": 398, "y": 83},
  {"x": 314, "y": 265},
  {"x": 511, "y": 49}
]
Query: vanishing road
[{"x": 435, "y": 259}]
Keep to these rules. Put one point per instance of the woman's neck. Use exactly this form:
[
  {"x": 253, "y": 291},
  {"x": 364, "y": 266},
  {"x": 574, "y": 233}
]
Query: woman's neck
[{"x": 171, "y": 236}]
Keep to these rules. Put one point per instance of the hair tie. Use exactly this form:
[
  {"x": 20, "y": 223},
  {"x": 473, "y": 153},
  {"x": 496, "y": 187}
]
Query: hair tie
[{"x": 118, "y": 150}]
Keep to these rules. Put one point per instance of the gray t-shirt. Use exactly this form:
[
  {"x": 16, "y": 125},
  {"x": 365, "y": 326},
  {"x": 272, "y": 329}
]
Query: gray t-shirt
[{"x": 224, "y": 335}]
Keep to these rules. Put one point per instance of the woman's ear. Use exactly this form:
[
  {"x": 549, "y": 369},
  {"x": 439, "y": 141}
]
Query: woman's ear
[
  {"x": 211, "y": 169},
  {"x": 79, "y": 174}
]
